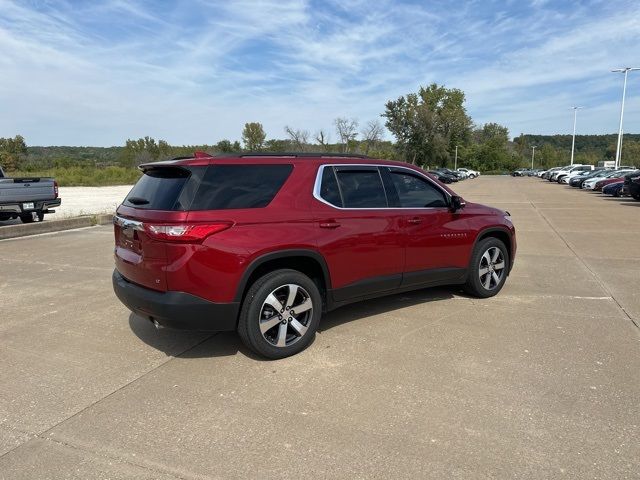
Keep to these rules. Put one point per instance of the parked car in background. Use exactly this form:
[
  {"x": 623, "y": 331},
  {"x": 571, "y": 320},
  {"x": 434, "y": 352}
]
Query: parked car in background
[
  {"x": 555, "y": 176},
  {"x": 443, "y": 177},
  {"x": 614, "y": 189},
  {"x": 547, "y": 173},
  {"x": 470, "y": 173},
  {"x": 520, "y": 172},
  {"x": 590, "y": 183},
  {"x": 632, "y": 184},
  {"x": 453, "y": 173},
  {"x": 578, "y": 180},
  {"x": 575, "y": 170},
  {"x": 264, "y": 245},
  {"x": 27, "y": 197},
  {"x": 618, "y": 177}
]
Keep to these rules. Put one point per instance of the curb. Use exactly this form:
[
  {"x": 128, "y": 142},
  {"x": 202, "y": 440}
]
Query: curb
[{"x": 15, "y": 231}]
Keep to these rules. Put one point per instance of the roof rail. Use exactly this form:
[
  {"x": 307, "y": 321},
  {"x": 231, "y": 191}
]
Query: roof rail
[{"x": 292, "y": 154}]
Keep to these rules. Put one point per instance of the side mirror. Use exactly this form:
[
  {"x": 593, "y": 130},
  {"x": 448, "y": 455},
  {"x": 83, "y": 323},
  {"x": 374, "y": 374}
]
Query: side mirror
[{"x": 457, "y": 203}]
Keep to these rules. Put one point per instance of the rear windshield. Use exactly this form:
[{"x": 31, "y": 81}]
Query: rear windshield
[
  {"x": 158, "y": 189},
  {"x": 240, "y": 186}
]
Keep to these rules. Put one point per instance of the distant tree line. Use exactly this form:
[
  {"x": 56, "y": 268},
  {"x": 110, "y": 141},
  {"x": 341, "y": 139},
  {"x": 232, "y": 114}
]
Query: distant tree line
[{"x": 428, "y": 127}]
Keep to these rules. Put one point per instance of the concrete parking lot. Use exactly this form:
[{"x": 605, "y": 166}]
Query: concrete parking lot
[{"x": 542, "y": 381}]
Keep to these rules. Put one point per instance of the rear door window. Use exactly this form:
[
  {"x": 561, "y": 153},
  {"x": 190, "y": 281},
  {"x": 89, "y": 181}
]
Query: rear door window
[
  {"x": 361, "y": 188},
  {"x": 240, "y": 186},
  {"x": 329, "y": 187}
]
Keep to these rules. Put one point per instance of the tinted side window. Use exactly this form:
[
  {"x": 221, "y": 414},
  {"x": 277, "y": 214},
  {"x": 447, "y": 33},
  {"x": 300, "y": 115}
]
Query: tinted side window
[
  {"x": 329, "y": 187},
  {"x": 361, "y": 188},
  {"x": 240, "y": 186},
  {"x": 158, "y": 189},
  {"x": 415, "y": 192}
]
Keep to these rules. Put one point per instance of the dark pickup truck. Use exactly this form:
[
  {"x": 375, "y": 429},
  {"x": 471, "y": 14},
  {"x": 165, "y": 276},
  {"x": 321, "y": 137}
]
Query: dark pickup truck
[{"x": 27, "y": 198}]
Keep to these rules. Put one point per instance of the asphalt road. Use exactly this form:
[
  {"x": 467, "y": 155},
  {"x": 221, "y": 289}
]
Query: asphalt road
[{"x": 542, "y": 381}]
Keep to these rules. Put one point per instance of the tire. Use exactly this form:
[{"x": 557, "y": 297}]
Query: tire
[
  {"x": 26, "y": 218},
  {"x": 269, "y": 332},
  {"x": 636, "y": 196},
  {"x": 484, "y": 258},
  {"x": 472, "y": 176},
  {"x": 40, "y": 216}
]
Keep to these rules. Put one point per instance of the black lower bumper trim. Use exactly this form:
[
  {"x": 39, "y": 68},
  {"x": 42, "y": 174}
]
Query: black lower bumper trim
[{"x": 177, "y": 310}]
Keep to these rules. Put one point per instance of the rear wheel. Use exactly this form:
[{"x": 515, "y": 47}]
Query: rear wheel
[
  {"x": 26, "y": 218},
  {"x": 488, "y": 269},
  {"x": 280, "y": 314},
  {"x": 40, "y": 216}
]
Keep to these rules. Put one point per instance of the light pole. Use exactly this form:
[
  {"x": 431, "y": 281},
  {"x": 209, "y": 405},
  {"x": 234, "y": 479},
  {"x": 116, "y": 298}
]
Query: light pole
[
  {"x": 455, "y": 162},
  {"x": 533, "y": 154},
  {"x": 626, "y": 70},
  {"x": 573, "y": 142}
]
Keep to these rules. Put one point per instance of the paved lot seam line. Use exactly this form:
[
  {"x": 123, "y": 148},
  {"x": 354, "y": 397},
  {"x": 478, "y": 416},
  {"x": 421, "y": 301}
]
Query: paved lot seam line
[
  {"x": 594, "y": 274},
  {"x": 122, "y": 387}
]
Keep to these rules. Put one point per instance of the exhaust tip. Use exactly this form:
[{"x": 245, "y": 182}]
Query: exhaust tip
[{"x": 156, "y": 324}]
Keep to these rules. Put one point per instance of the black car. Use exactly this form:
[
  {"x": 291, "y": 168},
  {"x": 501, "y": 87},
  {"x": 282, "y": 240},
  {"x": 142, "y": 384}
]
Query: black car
[
  {"x": 453, "y": 173},
  {"x": 578, "y": 180},
  {"x": 632, "y": 184},
  {"x": 443, "y": 177}
]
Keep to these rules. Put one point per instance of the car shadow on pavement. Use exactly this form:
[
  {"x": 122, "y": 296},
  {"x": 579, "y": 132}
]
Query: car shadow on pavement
[
  {"x": 628, "y": 201},
  {"x": 384, "y": 304},
  {"x": 185, "y": 343},
  {"x": 188, "y": 344}
]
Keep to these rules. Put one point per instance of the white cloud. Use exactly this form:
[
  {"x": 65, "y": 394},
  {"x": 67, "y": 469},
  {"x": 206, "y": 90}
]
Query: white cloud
[{"x": 194, "y": 72}]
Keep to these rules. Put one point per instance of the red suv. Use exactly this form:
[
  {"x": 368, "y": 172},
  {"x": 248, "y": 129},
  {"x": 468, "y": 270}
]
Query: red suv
[{"x": 264, "y": 244}]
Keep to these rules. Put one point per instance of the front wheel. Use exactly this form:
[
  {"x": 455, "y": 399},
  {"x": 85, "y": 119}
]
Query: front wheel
[
  {"x": 488, "y": 269},
  {"x": 280, "y": 314}
]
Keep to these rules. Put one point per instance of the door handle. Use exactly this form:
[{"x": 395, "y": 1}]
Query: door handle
[
  {"x": 414, "y": 221},
  {"x": 329, "y": 224}
]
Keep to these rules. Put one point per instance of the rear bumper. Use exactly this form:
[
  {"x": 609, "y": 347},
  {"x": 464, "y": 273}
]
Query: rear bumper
[
  {"x": 16, "y": 207},
  {"x": 177, "y": 310}
]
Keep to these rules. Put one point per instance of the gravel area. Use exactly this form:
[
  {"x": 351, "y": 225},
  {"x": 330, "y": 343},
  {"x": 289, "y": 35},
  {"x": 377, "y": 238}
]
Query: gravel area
[{"x": 89, "y": 200}]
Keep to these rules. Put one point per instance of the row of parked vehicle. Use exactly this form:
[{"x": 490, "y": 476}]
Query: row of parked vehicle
[
  {"x": 618, "y": 182},
  {"x": 451, "y": 176}
]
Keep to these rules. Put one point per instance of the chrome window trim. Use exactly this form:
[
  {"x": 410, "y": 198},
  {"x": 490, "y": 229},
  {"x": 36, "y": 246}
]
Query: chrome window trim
[{"x": 318, "y": 183}]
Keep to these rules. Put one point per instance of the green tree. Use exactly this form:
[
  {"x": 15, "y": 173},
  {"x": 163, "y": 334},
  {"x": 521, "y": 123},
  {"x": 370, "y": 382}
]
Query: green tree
[
  {"x": 224, "y": 146},
  {"x": 13, "y": 152},
  {"x": 253, "y": 136},
  {"x": 142, "y": 150},
  {"x": 429, "y": 124}
]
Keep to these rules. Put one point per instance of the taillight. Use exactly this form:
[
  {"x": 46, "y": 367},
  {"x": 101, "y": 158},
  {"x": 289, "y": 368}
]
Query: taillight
[
  {"x": 55, "y": 189},
  {"x": 195, "y": 232}
]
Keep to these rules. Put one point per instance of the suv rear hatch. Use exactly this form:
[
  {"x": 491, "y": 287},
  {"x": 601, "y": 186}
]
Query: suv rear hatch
[
  {"x": 176, "y": 204},
  {"x": 160, "y": 197}
]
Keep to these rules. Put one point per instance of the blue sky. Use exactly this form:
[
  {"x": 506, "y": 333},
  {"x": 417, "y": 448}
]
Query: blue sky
[{"x": 96, "y": 73}]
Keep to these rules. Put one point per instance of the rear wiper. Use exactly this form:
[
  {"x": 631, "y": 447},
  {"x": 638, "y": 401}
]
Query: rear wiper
[{"x": 137, "y": 200}]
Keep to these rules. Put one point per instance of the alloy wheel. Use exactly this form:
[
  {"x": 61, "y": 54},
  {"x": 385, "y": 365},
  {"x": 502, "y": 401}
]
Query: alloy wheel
[
  {"x": 285, "y": 315},
  {"x": 492, "y": 268}
]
